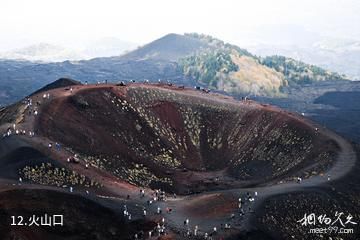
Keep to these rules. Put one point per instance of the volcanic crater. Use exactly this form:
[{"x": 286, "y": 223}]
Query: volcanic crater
[
  {"x": 184, "y": 141},
  {"x": 85, "y": 151}
]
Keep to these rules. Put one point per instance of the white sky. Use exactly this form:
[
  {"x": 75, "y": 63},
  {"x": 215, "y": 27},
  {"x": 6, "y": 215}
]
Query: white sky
[{"x": 76, "y": 22}]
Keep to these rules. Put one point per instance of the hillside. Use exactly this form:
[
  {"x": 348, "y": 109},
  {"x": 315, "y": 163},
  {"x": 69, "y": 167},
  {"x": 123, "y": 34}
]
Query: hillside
[
  {"x": 229, "y": 70},
  {"x": 298, "y": 72},
  {"x": 338, "y": 55},
  {"x": 61, "y": 82},
  {"x": 190, "y": 59},
  {"x": 227, "y": 67}
]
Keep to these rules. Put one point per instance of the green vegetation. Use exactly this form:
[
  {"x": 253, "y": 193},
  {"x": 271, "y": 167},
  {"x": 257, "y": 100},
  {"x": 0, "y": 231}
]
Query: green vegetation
[
  {"x": 140, "y": 175},
  {"x": 206, "y": 66},
  {"x": 227, "y": 67},
  {"x": 213, "y": 64},
  {"x": 297, "y": 72},
  {"x": 47, "y": 174}
]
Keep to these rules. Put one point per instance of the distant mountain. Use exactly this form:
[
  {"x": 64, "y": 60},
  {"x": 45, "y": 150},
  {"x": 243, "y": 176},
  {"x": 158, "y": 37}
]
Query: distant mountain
[
  {"x": 42, "y": 52},
  {"x": 190, "y": 59}
]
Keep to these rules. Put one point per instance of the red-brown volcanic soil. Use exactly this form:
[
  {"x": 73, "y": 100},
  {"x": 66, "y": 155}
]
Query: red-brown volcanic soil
[
  {"x": 190, "y": 142},
  {"x": 207, "y": 148}
]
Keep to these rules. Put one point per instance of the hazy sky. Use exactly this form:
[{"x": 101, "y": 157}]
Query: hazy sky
[{"x": 75, "y": 22}]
